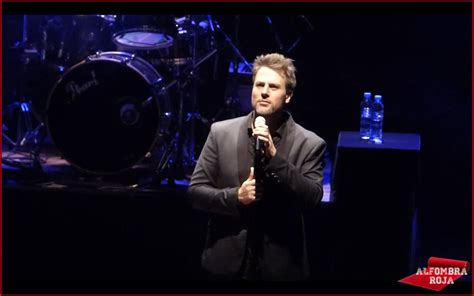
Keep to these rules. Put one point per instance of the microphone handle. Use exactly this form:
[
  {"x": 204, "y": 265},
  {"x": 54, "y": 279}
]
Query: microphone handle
[
  {"x": 259, "y": 160},
  {"x": 259, "y": 145}
]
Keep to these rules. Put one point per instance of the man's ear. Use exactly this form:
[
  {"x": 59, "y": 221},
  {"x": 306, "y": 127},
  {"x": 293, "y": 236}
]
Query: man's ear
[{"x": 288, "y": 97}]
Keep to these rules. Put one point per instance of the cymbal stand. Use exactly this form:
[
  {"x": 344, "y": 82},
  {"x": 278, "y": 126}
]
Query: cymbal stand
[
  {"x": 177, "y": 164},
  {"x": 28, "y": 138},
  {"x": 309, "y": 28},
  {"x": 192, "y": 76},
  {"x": 229, "y": 42},
  {"x": 173, "y": 157},
  {"x": 176, "y": 168},
  {"x": 232, "y": 104},
  {"x": 191, "y": 141}
]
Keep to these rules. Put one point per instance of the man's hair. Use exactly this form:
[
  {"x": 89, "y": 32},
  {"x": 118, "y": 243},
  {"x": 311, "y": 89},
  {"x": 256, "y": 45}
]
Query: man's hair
[{"x": 279, "y": 63}]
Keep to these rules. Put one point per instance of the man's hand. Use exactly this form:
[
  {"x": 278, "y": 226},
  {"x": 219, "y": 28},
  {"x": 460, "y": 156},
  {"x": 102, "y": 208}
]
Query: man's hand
[
  {"x": 262, "y": 132},
  {"x": 247, "y": 189}
]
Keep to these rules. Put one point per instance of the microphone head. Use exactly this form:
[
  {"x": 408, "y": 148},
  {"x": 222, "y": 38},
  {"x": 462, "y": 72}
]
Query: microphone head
[{"x": 260, "y": 120}]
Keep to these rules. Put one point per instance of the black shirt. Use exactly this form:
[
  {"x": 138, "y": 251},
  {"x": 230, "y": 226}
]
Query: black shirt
[{"x": 252, "y": 265}]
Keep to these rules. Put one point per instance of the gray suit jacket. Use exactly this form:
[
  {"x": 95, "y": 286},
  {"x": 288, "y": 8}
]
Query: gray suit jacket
[{"x": 293, "y": 182}]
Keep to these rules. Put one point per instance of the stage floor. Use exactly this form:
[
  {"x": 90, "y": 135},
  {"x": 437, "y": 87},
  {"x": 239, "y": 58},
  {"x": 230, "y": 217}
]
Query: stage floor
[{"x": 55, "y": 172}]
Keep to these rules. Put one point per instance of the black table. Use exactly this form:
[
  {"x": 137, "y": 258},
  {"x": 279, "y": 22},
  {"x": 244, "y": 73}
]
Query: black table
[{"x": 374, "y": 190}]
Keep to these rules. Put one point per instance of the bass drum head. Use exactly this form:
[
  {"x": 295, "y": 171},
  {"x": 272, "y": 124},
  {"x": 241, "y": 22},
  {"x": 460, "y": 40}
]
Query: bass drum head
[{"x": 103, "y": 116}]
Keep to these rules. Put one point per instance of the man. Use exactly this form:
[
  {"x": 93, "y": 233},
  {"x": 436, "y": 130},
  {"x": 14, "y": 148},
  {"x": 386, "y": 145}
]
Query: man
[{"x": 256, "y": 199}]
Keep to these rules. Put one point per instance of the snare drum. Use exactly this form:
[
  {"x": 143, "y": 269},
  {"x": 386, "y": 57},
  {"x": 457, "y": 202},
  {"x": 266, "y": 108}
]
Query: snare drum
[
  {"x": 142, "y": 39},
  {"x": 148, "y": 36}
]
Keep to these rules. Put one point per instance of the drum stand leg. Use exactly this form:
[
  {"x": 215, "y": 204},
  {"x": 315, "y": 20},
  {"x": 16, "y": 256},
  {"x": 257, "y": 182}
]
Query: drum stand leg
[
  {"x": 232, "y": 106},
  {"x": 28, "y": 138},
  {"x": 171, "y": 165},
  {"x": 177, "y": 146},
  {"x": 176, "y": 166}
]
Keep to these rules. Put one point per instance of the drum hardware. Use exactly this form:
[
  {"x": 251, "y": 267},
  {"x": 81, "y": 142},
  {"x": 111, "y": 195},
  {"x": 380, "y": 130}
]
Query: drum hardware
[
  {"x": 116, "y": 91},
  {"x": 180, "y": 54},
  {"x": 178, "y": 151},
  {"x": 104, "y": 154},
  {"x": 142, "y": 39},
  {"x": 177, "y": 155},
  {"x": 110, "y": 18},
  {"x": 105, "y": 116},
  {"x": 235, "y": 49},
  {"x": 28, "y": 137},
  {"x": 93, "y": 56},
  {"x": 127, "y": 60},
  {"x": 25, "y": 123},
  {"x": 309, "y": 28},
  {"x": 232, "y": 106},
  {"x": 67, "y": 39}
]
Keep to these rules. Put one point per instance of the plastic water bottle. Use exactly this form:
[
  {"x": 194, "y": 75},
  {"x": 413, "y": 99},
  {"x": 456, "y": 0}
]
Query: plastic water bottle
[
  {"x": 365, "y": 116},
  {"x": 376, "y": 125}
]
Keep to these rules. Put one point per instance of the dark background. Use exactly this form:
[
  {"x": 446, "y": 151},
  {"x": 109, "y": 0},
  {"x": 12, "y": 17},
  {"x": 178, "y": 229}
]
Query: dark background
[{"x": 418, "y": 58}]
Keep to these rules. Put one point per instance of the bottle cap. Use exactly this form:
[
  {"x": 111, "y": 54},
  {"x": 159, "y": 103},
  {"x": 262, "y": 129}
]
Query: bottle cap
[
  {"x": 378, "y": 97},
  {"x": 367, "y": 95}
]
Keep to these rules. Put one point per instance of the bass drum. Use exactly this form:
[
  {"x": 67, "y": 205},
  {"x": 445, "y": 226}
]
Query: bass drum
[{"x": 107, "y": 113}]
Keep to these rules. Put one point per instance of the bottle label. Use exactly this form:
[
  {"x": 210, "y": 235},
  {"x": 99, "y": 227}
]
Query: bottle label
[{"x": 365, "y": 112}]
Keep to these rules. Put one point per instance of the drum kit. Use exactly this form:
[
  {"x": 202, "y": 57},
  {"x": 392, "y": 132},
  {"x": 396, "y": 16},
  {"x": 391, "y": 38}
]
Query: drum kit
[{"x": 122, "y": 87}]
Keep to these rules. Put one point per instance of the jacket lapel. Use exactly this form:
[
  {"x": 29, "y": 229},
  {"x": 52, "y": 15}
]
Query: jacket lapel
[
  {"x": 243, "y": 156},
  {"x": 287, "y": 140}
]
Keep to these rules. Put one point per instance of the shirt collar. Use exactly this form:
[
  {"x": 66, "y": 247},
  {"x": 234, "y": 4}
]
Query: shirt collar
[{"x": 278, "y": 132}]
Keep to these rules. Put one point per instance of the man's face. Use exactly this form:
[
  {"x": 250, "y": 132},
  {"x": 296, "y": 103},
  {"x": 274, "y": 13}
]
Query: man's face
[{"x": 269, "y": 92}]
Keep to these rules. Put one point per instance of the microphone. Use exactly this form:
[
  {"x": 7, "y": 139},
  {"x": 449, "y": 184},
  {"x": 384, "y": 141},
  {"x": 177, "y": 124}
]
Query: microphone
[
  {"x": 259, "y": 161},
  {"x": 259, "y": 145}
]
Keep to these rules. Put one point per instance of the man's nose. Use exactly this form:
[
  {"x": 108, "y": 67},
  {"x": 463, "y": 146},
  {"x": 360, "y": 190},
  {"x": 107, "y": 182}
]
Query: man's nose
[{"x": 265, "y": 91}]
